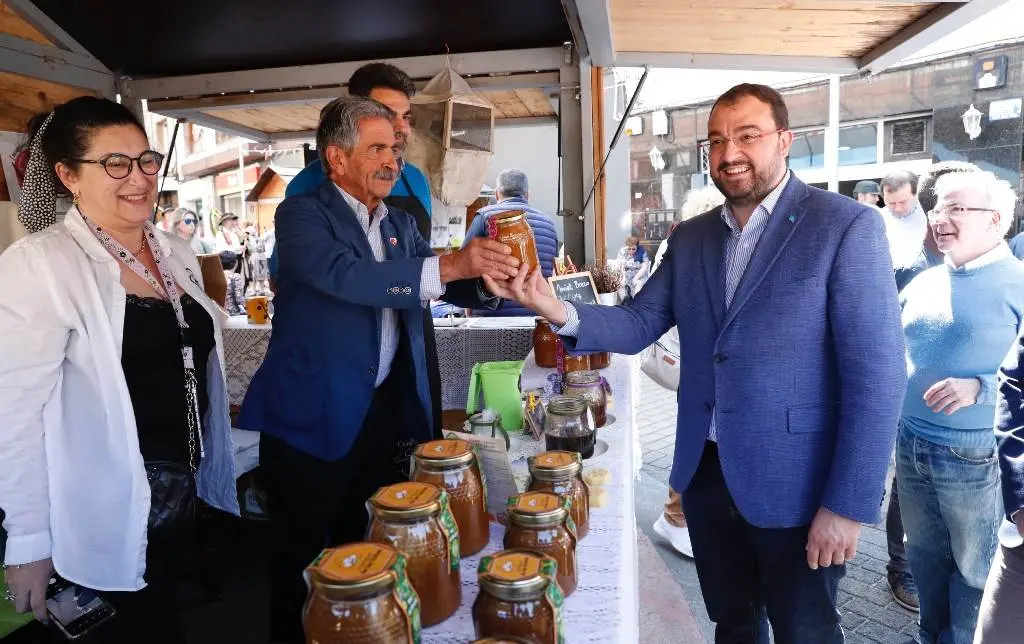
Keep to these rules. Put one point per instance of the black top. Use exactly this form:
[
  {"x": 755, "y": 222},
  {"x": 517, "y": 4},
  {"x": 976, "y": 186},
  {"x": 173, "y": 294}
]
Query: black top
[{"x": 151, "y": 360}]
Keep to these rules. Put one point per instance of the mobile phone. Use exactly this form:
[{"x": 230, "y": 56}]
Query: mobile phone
[{"x": 75, "y": 610}]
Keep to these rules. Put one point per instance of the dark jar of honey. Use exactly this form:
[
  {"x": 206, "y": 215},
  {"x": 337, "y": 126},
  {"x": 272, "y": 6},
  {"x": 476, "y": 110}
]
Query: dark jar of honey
[
  {"x": 545, "y": 345},
  {"x": 561, "y": 473},
  {"x": 512, "y": 229},
  {"x": 360, "y": 594},
  {"x": 414, "y": 519},
  {"x": 519, "y": 596},
  {"x": 540, "y": 521},
  {"x": 452, "y": 466}
]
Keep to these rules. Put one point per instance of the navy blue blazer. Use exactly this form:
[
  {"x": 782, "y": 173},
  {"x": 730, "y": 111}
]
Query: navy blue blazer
[
  {"x": 1010, "y": 428},
  {"x": 806, "y": 367},
  {"x": 317, "y": 380}
]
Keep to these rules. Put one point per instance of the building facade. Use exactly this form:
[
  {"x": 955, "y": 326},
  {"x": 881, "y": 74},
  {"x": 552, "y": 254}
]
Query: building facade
[{"x": 965, "y": 107}]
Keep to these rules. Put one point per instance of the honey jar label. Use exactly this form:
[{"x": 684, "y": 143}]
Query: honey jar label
[
  {"x": 480, "y": 471},
  {"x": 355, "y": 562},
  {"x": 536, "y": 502},
  {"x": 555, "y": 598},
  {"x": 554, "y": 460},
  {"x": 451, "y": 532},
  {"x": 442, "y": 449},
  {"x": 406, "y": 496},
  {"x": 407, "y": 599},
  {"x": 513, "y": 566}
]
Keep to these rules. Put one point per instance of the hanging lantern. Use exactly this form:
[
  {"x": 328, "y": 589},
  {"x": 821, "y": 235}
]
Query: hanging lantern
[
  {"x": 453, "y": 138},
  {"x": 972, "y": 122}
]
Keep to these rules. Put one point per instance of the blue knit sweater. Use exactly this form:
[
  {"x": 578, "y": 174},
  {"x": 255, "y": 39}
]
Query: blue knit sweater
[
  {"x": 960, "y": 323},
  {"x": 544, "y": 234}
]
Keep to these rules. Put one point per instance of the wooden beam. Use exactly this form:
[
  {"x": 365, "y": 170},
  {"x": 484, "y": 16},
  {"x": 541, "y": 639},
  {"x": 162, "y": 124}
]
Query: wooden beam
[
  {"x": 53, "y": 32},
  {"x": 24, "y": 97},
  {"x": 597, "y": 131}
]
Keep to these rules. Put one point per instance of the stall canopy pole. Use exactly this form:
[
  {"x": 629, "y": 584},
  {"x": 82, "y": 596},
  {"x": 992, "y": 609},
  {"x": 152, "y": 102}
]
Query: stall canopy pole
[
  {"x": 167, "y": 167},
  {"x": 618, "y": 133}
]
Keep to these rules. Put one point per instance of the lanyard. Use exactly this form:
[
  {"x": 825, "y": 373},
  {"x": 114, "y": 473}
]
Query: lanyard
[{"x": 169, "y": 289}]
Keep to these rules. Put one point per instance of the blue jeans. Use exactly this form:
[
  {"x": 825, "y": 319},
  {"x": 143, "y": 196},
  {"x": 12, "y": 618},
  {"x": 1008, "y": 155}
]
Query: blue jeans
[{"x": 951, "y": 506}]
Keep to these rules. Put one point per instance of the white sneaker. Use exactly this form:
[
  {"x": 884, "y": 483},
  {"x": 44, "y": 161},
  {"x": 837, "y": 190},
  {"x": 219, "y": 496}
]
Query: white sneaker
[{"x": 678, "y": 537}]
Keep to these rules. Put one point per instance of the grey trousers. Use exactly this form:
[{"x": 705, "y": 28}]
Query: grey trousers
[{"x": 1001, "y": 618}]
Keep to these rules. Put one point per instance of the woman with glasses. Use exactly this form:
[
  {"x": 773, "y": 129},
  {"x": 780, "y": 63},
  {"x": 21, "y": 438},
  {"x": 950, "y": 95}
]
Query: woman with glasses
[
  {"x": 113, "y": 414},
  {"x": 959, "y": 321},
  {"x": 185, "y": 225}
]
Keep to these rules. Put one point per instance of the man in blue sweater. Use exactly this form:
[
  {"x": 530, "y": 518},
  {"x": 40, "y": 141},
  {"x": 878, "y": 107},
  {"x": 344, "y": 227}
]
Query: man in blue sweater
[
  {"x": 959, "y": 320},
  {"x": 513, "y": 192}
]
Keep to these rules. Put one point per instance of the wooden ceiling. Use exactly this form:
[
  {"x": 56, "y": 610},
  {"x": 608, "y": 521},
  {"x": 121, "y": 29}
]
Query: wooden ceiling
[
  {"x": 278, "y": 118},
  {"x": 751, "y": 27},
  {"x": 22, "y": 97}
]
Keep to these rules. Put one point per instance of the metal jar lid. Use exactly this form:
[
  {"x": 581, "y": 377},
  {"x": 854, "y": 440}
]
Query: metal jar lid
[
  {"x": 357, "y": 569},
  {"x": 555, "y": 466},
  {"x": 538, "y": 509},
  {"x": 444, "y": 453},
  {"x": 567, "y": 405},
  {"x": 585, "y": 378},
  {"x": 516, "y": 575},
  {"x": 409, "y": 500}
]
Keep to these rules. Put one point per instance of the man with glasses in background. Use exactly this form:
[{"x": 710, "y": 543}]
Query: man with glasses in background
[{"x": 792, "y": 351}]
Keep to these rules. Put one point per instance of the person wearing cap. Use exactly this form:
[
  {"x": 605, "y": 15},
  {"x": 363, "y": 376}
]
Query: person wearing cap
[
  {"x": 227, "y": 237},
  {"x": 867, "y": 192}
]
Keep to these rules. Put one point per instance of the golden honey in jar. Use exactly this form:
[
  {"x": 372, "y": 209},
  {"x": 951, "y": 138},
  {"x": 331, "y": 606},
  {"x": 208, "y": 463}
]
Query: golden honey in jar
[
  {"x": 561, "y": 473},
  {"x": 600, "y": 360},
  {"x": 545, "y": 345},
  {"x": 360, "y": 594},
  {"x": 540, "y": 521},
  {"x": 512, "y": 229},
  {"x": 519, "y": 597},
  {"x": 452, "y": 466},
  {"x": 414, "y": 519}
]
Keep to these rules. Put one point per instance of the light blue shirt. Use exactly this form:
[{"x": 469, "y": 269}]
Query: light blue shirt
[
  {"x": 430, "y": 279},
  {"x": 739, "y": 248}
]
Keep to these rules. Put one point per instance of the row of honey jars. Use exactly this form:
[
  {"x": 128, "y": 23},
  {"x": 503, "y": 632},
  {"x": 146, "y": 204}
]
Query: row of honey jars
[
  {"x": 519, "y": 597},
  {"x": 561, "y": 473},
  {"x": 452, "y": 466},
  {"x": 540, "y": 522},
  {"x": 360, "y": 594},
  {"x": 415, "y": 519},
  {"x": 546, "y": 350}
]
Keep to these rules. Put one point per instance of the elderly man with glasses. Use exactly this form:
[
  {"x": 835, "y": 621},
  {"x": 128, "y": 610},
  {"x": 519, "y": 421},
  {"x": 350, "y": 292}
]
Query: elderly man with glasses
[{"x": 959, "y": 319}]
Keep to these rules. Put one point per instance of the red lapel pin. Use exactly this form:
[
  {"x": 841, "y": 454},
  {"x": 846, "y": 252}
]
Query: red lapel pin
[{"x": 394, "y": 242}]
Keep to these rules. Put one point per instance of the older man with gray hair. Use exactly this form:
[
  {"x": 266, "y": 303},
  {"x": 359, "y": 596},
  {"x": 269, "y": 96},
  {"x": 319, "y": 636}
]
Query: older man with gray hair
[
  {"x": 342, "y": 395},
  {"x": 959, "y": 320},
  {"x": 513, "y": 193}
]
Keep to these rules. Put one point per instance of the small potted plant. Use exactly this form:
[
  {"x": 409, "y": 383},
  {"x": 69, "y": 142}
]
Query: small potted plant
[{"x": 608, "y": 280}]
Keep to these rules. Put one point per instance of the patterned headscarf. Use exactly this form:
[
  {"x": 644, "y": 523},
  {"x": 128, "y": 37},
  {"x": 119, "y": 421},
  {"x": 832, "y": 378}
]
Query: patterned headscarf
[{"x": 38, "y": 207}]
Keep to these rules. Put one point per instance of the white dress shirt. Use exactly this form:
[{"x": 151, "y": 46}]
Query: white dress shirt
[
  {"x": 430, "y": 279},
  {"x": 72, "y": 480},
  {"x": 905, "y": 235}
]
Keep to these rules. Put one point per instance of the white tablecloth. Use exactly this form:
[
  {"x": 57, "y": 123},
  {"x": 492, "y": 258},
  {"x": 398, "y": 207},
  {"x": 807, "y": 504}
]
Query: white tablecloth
[{"x": 605, "y": 606}]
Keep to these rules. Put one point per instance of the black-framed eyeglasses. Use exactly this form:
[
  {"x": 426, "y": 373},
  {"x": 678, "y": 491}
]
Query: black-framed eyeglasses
[{"x": 119, "y": 166}]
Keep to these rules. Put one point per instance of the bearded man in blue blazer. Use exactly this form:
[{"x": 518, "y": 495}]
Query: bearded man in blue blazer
[
  {"x": 792, "y": 375},
  {"x": 342, "y": 396}
]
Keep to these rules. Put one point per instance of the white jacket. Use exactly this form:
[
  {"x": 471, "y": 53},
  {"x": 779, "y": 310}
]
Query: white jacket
[{"x": 72, "y": 481}]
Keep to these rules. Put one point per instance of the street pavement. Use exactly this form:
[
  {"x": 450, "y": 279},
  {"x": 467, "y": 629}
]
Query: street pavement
[{"x": 672, "y": 609}]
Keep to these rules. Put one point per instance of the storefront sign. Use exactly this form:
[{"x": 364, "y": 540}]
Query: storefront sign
[
  {"x": 990, "y": 73},
  {"x": 1009, "y": 108}
]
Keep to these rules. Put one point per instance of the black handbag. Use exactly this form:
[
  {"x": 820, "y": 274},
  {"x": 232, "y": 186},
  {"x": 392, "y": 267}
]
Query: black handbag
[{"x": 172, "y": 498}]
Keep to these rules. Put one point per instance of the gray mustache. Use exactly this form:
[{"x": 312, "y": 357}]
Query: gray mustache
[{"x": 385, "y": 175}]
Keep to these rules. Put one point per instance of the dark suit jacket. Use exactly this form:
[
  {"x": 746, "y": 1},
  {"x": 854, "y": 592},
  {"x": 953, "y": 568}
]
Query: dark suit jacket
[
  {"x": 806, "y": 368},
  {"x": 316, "y": 383},
  {"x": 1010, "y": 428}
]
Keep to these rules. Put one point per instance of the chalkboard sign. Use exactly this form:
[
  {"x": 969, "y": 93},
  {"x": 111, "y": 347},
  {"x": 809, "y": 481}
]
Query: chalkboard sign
[{"x": 577, "y": 288}]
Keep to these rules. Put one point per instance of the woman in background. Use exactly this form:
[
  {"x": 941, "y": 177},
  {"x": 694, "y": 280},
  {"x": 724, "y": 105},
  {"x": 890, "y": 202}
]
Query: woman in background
[{"x": 185, "y": 224}]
